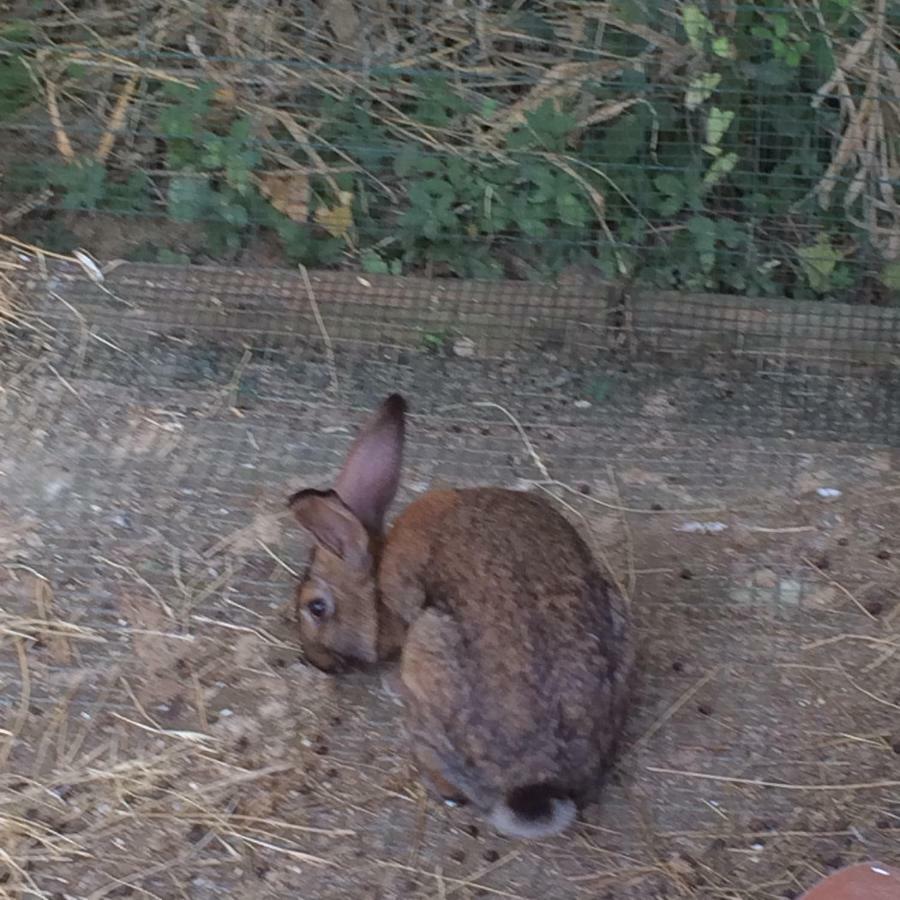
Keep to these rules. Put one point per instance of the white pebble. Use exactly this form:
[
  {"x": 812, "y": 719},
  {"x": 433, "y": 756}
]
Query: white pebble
[{"x": 701, "y": 527}]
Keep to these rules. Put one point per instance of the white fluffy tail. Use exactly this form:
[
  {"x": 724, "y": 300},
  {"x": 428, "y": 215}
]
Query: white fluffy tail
[{"x": 534, "y": 811}]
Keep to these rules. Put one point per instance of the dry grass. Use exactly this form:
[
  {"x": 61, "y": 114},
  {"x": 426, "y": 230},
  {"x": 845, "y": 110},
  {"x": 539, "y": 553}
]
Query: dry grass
[
  {"x": 116, "y": 796},
  {"x": 866, "y": 83},
  {"x": 11, "y": 300},
  {"x": 95, "y": 785},
  {"x": 264, "y": 62},
  {"x": 276, "y": 67}
]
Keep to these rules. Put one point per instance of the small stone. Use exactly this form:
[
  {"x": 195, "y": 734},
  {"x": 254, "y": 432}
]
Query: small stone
[
  {"x": 765, "y": 578},
  {"x": 464, "y": 347},
  {"x": 789, "y": 592},
  {"x": 582, "y": 404}
]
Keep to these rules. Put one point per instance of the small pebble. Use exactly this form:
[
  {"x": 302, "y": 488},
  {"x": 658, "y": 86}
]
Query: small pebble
[
  {"x": 701, "y": 527},
  {"x": 765, "y": 578}
]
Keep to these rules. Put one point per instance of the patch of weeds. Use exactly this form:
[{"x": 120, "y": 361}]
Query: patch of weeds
[
  {"x": 17, "y": 87},
  {"x": 373, "y": 261},
  {"x": 49, "y": 234},
  {"x": 436, "y": 342},
  {"x": 88, "y": 185},
  {"x": 701, "y": 179},
  {"x": 698, "y": 182},
  {"x": 215, "y": 156},
  {"x": 172, "y": 258}
]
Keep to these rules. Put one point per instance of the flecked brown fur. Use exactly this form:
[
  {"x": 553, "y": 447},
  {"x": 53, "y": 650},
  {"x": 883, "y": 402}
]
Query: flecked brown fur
[
  {"x": 516, "y": 650},
  {"x": 519, "y": 651}
]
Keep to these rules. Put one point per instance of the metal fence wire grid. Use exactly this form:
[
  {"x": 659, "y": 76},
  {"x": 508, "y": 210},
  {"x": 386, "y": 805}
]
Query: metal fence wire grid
[{"x": 225, "y": 237}]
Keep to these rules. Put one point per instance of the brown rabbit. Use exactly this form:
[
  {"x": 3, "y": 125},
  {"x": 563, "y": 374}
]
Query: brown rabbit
[{"x": 516, "y": 652}]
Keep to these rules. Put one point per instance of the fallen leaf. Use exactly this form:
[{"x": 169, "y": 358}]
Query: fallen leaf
[
  {"x": 226, "y": 95},
  {"x": 337, "y": 220},
  {"x": 818, "y": 262},
  {"x": 288, "y": 192}
]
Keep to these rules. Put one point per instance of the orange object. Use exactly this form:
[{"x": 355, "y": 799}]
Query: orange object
[{"x": 866, "y": 881}]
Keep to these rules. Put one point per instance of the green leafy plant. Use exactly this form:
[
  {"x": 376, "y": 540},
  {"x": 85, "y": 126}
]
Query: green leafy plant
[
  {"x": 697, "y": 173},
  {"x": 436, "y": 341},
  {"x": 17, "y": 87},
  {"x": 374, "y": 262},
  {"x": 215, "y": 159},
  {"x": 87, "y": 185},
  {"x": 213, "y": 169},
  {"x": 819, "y": 262},
  {"x": 784, "y": 43},
  {"x": 890, "y": 275},
  {"x": 692, "y": 184}
]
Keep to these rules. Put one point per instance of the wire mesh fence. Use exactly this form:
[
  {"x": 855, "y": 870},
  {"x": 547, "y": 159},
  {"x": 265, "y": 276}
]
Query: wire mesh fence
[
  {"x": 682, "y": 222},
  {"x": 160, "y": 726},
  {"x": 741, "y": 148}
]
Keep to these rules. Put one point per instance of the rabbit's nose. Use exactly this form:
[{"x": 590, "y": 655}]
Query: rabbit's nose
[{"x": 324, "y": 660}]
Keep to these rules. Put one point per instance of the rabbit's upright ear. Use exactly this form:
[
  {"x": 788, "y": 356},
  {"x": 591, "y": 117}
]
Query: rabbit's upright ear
[
  {"x": 371, "y": 474},
  {"x": 333, "y": 525}
]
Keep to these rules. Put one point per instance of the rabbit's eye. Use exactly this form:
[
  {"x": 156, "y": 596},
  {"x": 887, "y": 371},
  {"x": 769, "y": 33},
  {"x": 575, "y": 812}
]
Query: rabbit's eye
[{"x": 317, "y": 608}]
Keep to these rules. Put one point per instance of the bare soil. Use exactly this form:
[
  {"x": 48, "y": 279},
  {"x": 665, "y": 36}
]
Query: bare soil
[{"x": 162, "y": 736}]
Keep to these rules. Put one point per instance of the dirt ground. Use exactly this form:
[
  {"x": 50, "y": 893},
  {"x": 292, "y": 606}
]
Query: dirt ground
[{"x": 162, "y": 736}]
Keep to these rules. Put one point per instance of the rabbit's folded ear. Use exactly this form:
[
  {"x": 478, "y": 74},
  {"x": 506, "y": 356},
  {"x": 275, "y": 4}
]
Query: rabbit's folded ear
[
  {"x": 370, "y": 476},
  {"x": 333, "y": 525}
]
